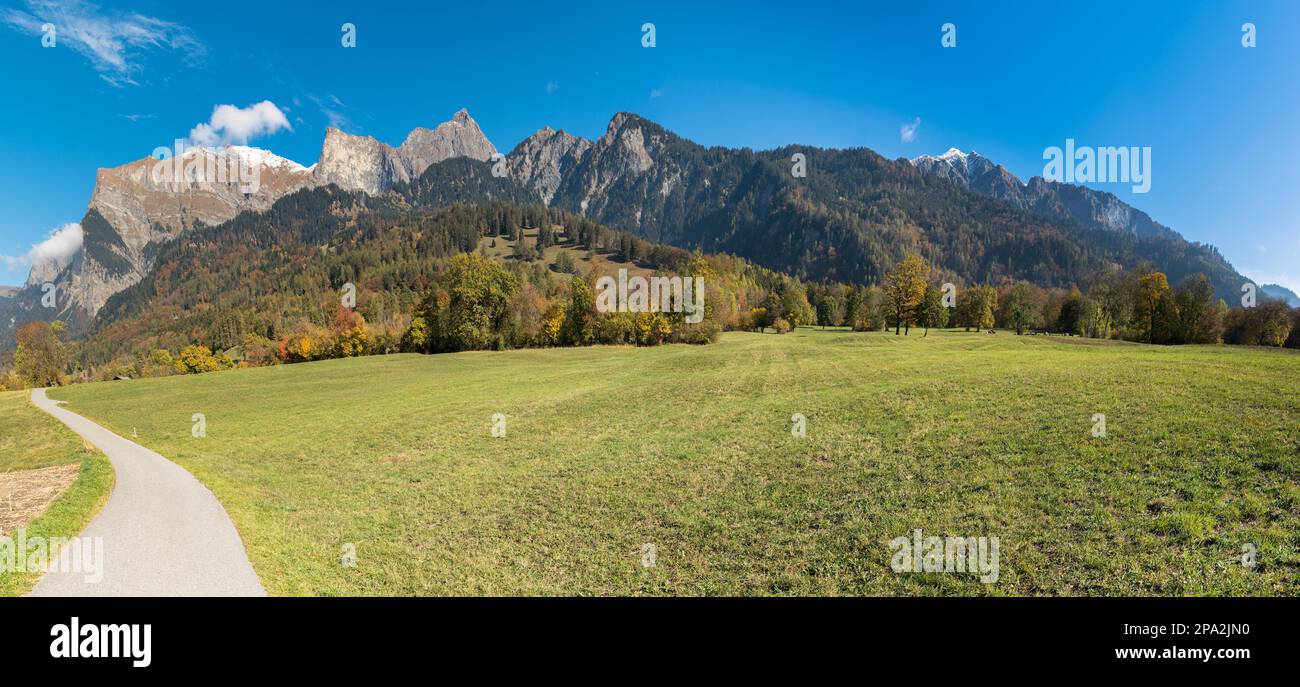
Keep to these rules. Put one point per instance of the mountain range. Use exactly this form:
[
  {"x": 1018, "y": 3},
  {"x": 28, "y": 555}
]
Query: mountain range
[
  {"x": 848, "y": 218},
  {"x": 1062, "y": 202}
]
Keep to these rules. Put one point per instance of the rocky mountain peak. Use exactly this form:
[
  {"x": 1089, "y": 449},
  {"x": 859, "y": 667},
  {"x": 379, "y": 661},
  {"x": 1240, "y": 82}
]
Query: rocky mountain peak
[
  {"x": 622, "y": 122},
  {"x": 541, "y": 161},
  {"x": 459, "y": 137},
  {"x": 1092, "y": 208},
  {"x": 358, "y": 163},
  {"x": 362, "y": 163},
  {"x": 139, "y": 205}
]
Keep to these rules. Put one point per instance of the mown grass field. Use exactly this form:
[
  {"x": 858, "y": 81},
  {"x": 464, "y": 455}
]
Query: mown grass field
[
  {"x": 31, "y": 439},
  {"x": 689, "y": 448}
]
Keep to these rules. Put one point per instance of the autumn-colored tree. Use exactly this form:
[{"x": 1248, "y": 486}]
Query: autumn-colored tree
[
  {"x": 299, "y": 348},
  {"x": 197, "y": 359},
  {"x": 40, "y": 359},
  {"x": 975, "y": 307},
  {"x": 1150, "y": 287},
  {"x": 553, "y": 322},
  {"x": 1275, "y": 322},
  {"x": 351, "y": 335},
  {"x": 904, "y": 289},
  {"x": 1266, "y": 324},
  {"x": 11, "y": 381},
  {"x": 354, "y": 342},
  {"x": 651, "y": 328},
  {"x": 527, "y": 313},
  {"x": 417, "y": 336}
]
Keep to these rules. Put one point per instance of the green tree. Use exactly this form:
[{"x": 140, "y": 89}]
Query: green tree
[
  {"x": 1198, "y": 317},
  {"x": 478, "y": 297},
  {"x": 853, "y": 303},
  {"x": 828, "y": 312},
  {"x": 795, "y": 306},
  {"x": 564, "y": 263},
  {"x": 1070, "y": 320},
  {"x": 975, "y": 307},
  {"x": 933, "y": 312},
  {"x": 1017, "y": 310},
  {"x": 1166, "y": 320},
  {"x": 579, "y": 319}
]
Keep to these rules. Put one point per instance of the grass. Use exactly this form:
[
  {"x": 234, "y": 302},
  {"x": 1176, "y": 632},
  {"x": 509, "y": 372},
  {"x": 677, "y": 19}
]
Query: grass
[
  {"x": 30, "y": 439},
  {"x": 689, "y": 448}
]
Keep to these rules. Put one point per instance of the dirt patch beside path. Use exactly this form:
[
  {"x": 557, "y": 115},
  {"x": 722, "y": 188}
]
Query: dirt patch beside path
[{"x": 25, "y": 494}]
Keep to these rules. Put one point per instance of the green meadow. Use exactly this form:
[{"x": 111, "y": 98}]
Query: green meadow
[{"x": 690, "y": 449}]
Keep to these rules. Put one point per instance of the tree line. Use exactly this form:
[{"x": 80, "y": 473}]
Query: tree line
[
  {"x": 1136, "y": 304},
  {"x": 265, "y": 289}
]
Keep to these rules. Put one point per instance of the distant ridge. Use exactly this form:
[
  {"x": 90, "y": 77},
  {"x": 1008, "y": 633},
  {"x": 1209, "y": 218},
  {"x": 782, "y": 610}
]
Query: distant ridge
[
  {"x": 849, "y": 218},
  {"x": 1281, "y": 293}
]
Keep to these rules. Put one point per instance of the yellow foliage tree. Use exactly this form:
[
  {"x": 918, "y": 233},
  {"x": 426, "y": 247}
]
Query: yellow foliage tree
[{"x": 904, "y": 289}]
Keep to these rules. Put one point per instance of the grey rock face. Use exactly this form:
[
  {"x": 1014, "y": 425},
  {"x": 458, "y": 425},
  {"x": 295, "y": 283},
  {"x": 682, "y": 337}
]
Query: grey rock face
[
  {"x": 542, "y": 161},
  {"x": 361, "y": 163},
  {"x": 358, "y": 163},
  {"x": 46, "y": 271},
  {"x": 640, "y": 177},
  {"x": 626, "y": 151},
  {"x": 147, "y": 202},
  {"x": 460, "y": 137}
]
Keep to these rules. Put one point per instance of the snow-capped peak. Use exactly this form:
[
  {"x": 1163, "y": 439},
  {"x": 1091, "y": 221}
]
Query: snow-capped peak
[
  {"x": 256, "y": 157},
  {"x": 951, "y": 156},
  {"x": 249, "y": 156}
]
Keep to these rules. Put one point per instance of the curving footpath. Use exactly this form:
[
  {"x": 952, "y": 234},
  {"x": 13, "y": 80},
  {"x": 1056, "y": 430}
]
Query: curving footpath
[{"x": 164, "y": 533}]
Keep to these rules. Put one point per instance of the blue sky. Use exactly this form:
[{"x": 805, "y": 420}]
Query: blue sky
[{"x": 1223, "y": 121}]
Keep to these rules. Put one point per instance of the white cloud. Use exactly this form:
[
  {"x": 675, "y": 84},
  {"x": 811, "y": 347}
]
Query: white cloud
[
  {"x": 656, "y": 92},
  {"x": 62, "y": 244},
  {"x": 113, "y": 41},
  {"x": 907, "y": 132},
  {"x": 552, "y": 87},
  {"x": 234, "y": 125}
]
